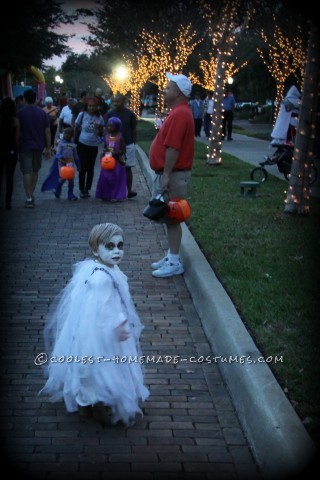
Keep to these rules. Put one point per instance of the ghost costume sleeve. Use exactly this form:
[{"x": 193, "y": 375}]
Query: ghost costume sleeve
[
  {"x": 288, "y": 106},
  {"x": 85, "y": 365}
]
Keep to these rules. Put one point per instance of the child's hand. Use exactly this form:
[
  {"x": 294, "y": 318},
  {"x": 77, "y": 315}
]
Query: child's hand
[
  {"x": 121, "y": 332},
  {"x": 47, "y": 152}
]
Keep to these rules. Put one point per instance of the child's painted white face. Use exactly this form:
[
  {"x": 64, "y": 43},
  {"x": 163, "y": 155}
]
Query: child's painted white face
[{"x": 111, "y": 252}]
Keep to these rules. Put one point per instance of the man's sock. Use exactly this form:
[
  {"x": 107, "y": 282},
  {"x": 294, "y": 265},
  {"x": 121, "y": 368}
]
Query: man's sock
[{"x": 173, "y": 258}]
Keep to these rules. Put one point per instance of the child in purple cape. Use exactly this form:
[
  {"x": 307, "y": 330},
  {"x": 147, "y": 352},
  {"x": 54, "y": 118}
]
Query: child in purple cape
[
  {"x": 112, "y": 184},
  {"x": 66, "y": 155}
]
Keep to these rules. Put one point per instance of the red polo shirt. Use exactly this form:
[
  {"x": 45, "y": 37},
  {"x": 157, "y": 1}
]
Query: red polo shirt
[{"x": 177, "y": 131}]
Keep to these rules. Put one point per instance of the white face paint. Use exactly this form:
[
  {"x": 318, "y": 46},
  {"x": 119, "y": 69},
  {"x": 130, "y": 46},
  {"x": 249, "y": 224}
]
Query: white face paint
[{"x": 111, "y": 252}]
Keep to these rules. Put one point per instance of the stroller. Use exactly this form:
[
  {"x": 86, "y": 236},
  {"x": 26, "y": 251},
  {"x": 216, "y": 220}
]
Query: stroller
[
  {"x": 283, "y": 138},
  {"x": 282, "y": 157}
]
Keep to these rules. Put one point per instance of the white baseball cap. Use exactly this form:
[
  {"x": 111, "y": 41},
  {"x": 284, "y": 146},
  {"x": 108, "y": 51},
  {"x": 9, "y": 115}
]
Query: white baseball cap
[
  {"x": 183, "y": 83},
  {"x": 49, "y": 100}
]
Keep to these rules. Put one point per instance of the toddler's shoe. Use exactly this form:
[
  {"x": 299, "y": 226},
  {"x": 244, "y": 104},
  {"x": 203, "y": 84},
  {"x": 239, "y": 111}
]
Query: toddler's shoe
[
  {"x": 57, "y": 191},
  {"x": 101, "y": 414},
  {"x": 85, "y": 412},
  {"x": 29, "y": 204}
]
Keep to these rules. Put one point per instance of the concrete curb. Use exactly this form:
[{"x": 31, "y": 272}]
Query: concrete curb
[{"x": 280, "y": 444}]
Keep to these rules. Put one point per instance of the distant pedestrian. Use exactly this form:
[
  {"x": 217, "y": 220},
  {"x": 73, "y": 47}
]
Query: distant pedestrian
[
  {"x": 129, "y": 132},
  {"x": 19, "y": 101},
  {"x": 35, "y": 140},
  {"x": 171, "y": 158},
  {"x": 79, "y": 106},
  {"x": 208, "y": 105},
  {"x": 91, "y": 124},
  {"x": 111, "y": 185},
  {"x": 63, "y": 101},
  {"x": 94, "y": 319},
  {"x": 159, "y": 119},
  {"x": 103, "y": 107},
  {"x": 53, "y": 112},
  {"x": 65, "y": 117},
  {"x": 9, "y": 144},
  {"x": 66, "y": 156},
  {"x": 228, "y": 103},
  {"x": 196, "y": 106}
]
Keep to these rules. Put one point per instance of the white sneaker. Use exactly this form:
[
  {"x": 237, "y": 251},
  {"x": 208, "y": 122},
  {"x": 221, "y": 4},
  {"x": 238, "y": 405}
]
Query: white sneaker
[
  {"x": 168, "y": 270},
  {"x": 159, "y": 264}
]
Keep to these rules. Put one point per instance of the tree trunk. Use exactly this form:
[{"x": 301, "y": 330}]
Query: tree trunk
[
  {"x": 297, "y": 201},
  {"x": 215, "y": 143}
]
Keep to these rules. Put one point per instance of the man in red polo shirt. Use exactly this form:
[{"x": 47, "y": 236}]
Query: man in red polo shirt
[{"x": 171, "y": 157}]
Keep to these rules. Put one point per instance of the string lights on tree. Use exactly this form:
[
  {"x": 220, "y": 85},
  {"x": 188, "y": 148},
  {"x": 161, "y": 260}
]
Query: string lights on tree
[
  {"x": 209, "y": 69},
  {"x": 167, "y": 55},
  {"x": 284, "y": 57},
  {"x": 223, "y": 32},
  {"x": 139, "y": 75},
  {"x": 156, "y": 46},
  {"x": 158, "y": 56},
  {"x": 232, "y": 70},
  {"x": 297, "y": 199}
]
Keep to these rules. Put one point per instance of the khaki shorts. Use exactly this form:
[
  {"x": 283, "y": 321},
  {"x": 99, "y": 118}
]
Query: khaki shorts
[
  {"x": 30, "y": 162},
  {"x": 178, "y": 187},
  {"x": 131, "y": 155}
]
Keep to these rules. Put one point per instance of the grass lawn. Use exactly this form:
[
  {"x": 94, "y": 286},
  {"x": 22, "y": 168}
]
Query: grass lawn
[{"x": 268, "y": 262}]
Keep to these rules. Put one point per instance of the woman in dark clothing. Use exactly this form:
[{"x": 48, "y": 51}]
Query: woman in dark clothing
[
  {"x": 9, "y": 141},
  {"x": 90, "y": 125}
]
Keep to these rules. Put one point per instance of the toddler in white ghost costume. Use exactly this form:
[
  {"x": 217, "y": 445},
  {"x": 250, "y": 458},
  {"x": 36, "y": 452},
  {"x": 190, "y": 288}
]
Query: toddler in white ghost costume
[{"x": 92, "y": 323}]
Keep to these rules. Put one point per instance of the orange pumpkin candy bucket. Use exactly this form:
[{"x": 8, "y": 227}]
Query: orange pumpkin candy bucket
[
  {"x": 179, "y": 210},
  {"x": 108, "y": 162},
  {"x": 67, "y": 172}
]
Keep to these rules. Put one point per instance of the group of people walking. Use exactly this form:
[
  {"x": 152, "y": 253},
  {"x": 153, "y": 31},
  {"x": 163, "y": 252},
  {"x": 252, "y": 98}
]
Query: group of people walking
[
  {"x": 202, "y": 112},
  {"x": 70, "y": 134}
]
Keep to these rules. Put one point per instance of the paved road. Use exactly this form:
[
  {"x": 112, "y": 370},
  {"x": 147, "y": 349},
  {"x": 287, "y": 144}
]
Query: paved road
[{"x": 190, "y": 428}]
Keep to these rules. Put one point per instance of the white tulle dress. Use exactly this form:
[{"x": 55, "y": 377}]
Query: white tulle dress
[{"x": 87, "y": 364}]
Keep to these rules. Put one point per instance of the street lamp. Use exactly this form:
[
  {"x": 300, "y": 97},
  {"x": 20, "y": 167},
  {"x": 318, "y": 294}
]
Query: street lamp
[
  {"x": 121, "y": 72},
  {"x": 230, "y": 80},
  {"x": 58, "y": 79}
]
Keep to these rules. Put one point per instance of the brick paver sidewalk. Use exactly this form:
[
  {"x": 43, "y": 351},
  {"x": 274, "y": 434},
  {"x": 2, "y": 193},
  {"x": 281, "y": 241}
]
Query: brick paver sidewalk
[{"x": 190, "y": 429}]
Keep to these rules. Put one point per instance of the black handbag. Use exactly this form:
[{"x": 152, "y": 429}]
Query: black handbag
[
  {"x": 156, "y": 209},
  {"x": 76, "y": 138}
]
